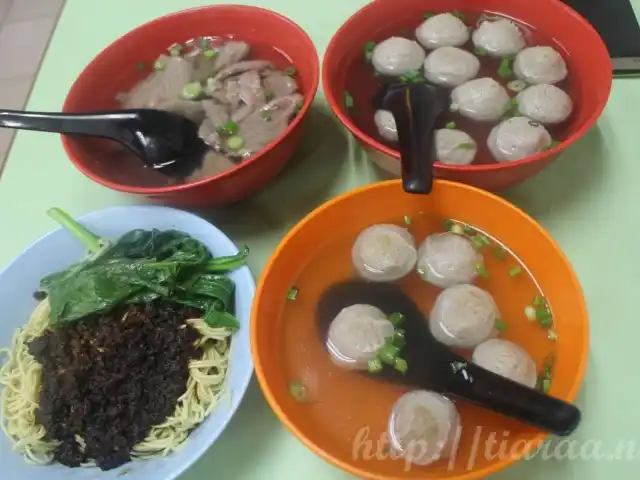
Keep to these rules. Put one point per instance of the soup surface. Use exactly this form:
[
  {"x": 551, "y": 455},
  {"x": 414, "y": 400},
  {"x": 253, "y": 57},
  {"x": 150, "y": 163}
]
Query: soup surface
[
  {"x": 363, "y": 85},
  {"x": 351, "y": 409}
]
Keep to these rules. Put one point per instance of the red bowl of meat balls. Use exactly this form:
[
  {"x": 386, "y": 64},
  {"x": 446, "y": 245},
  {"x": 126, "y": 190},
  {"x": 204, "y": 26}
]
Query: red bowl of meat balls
[
  {"x": 525, "y": 80},
  {"x": 247, "y": 76}
]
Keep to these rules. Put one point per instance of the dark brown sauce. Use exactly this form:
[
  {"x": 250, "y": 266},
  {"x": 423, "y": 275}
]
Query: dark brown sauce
[{"x": 363, "y": 85}]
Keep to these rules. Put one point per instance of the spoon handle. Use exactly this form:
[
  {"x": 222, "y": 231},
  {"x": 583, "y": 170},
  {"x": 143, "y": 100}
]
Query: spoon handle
[
  {"x": 482, "y": 387},
  {"x": 103, "y": 124},
  {"x": 415, "y": 109}
]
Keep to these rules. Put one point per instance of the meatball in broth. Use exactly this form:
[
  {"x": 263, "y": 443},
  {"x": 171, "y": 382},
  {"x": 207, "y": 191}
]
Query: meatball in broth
[
  {"x": 506, "y": 359},
  {"x": 443, "y": 30},
  {"x": 463, "y": 316},
  {"x": 517, "y": 138},
  {"x": 482, "y": 99},
  {"x": 356, "y": 335},
  {"x": 450, "y": 66},
  {"x": 423, "y": 427},
  {"x": 498, "y": 38},
  {"x": 447, "y": 259},
  {"x": 397, "y": 56},
  {"x": 384, "y": 253},
  {"x": 536, "y": 65},
  {"x": 454, "y": 147},
  {"x": 544, "y": 103}
]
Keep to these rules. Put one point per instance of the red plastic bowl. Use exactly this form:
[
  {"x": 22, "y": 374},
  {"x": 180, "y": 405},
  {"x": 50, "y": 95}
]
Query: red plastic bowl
[
  {"x": 114, "y": 71},
  {"x": 586, "y": 56}
]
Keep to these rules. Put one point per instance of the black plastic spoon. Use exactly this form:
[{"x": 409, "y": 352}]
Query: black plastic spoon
[
  {"x": 433, "y": 366},
  {"x": 415, "y": 108},
  {"x": 164, "y": 141}
]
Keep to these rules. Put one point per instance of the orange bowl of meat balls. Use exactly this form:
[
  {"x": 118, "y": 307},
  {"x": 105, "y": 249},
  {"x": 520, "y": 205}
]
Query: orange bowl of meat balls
[
  {"x": 525, "y": 81},
  {"x": 338, "y": 333},
  {"x": 247, "y": 76}
]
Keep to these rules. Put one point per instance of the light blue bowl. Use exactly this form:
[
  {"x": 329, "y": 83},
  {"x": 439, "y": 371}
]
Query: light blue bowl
[{"x": 56, "y": 251}]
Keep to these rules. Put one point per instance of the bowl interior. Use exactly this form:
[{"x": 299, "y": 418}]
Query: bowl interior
[
  {"x": 285, "y": 341},
  {"x": 56, "y": 251},
  {"x": 554, "y": 23},
  {"x": 271, "y": 36}
]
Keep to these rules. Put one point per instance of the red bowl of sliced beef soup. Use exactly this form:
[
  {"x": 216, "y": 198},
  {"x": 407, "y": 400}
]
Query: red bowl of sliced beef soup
[
  {"x": 525, "y": 81},
  {"x": 245, "y": 75}
]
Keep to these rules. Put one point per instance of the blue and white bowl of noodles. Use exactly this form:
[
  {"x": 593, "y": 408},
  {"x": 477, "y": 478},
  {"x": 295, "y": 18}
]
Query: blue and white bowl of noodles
[{"x": 57, "y": 251}]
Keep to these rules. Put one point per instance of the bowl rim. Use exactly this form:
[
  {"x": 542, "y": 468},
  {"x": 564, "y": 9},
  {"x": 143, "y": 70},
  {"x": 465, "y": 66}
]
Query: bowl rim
[
  {"x": 370, "y": 142},
  {"x": 244, "y": 375},
  {"x": 309, "y": 96},
  {"x": 282, "y": 415}
]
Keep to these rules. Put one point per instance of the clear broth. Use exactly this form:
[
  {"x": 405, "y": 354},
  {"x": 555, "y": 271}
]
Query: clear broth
[
  {"x": 347, "y": 406},
  {"x": 362, "y": 84}
]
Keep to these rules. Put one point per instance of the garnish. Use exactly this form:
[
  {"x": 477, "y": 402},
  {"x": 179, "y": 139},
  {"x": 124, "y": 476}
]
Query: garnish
[
  {"x": 266, "y": 115},
  {"x": 504, "y": 70},
  {"x": 480, "y": 51},
  {"x": 450, "y": 125},
  {"x": 298, "y": 391},
  {"x": 429, "y": 15},
  {"x": 457, "y": 13},
  {"x": 292, "y": 294},
  {"x": 546, "y": 374},
  {"x": 235, "y": 142},
  {"x": 396, "y": 318},
  {"x": 228, "y": 129},
  {"x": 552, "y": 335},
  {"x": 500, "y": 325},
  {"x": 466, "y": 146},
  {"x": 268, "y": 96},
  {"x": 290, "y": 71},
  {"x": 191, "y": 91},
  {"x": 515, "y": 271},
  {"x": 412, "y": 76},
  {"x": 139, "y": 267},
  {"x": 447, "y": 224},
  {"x": 517, "y": 85},
  {"x": 530, "y": 313},
  {"x": 457, "y": 229},
  {"x": 210, "y": 53},
  {"x": 368, "y": 50},
  {"x": 499, "y": 252},
  {"x": 348, "y": 100},
  {"x": 407, "y": 220},
  {"x": 159, "y": 65},
  {"x": 482, "y": 270}
]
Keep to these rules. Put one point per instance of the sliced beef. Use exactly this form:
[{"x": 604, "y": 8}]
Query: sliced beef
[
  {"x": 251, "y": 94},
  {"x": 217, "y": 115},
  {"x": 162, "y": 85},
  {"x": 194, "y": 111},
  {"x": 231, "y": 52},
  {"x": 266, "y": 124},
  {"x": 241, "y": 67},
  {"x": 277, "y": 84}
]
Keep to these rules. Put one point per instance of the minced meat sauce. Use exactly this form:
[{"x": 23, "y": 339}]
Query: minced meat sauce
[{"x": 109, "y": 378}]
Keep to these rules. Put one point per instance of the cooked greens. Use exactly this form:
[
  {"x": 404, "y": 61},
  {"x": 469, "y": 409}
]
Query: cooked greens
[{"x": 142, "y": 266}]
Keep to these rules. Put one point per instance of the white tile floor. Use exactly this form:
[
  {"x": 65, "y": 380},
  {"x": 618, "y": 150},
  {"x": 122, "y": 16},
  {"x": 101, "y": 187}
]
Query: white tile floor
[{"x": 25, "y": 26}]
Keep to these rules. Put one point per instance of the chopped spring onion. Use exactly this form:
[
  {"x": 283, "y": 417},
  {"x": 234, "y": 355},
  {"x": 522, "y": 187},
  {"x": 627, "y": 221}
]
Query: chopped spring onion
[
  {"x": 398, "y": 338},
  {"x": 544, "y": 317},
  {"x": 534, "y": 124},
  {"x": 175, "y": 51},
  {"x": 480, "y": 51},
  {"x": 290, "y": 71},
  {"x": 500, "y": 325},
  {"x": 450, "y": 125},
  {"x": 235, "y": 142},
  {"x": 400, "y": 364},
  {"x": 140, "y": 66},
  {"x": 298, "y": 391},
  {"x": 191, "y": 91},
  {"x": 546, "y": 385},
  {"x": 210, "y": 53},
  {"x": 293, "y": 294},
  {"x": 517, "y": 85},
  {"x": 266, "y": 115},
  {"x": 552, "y": 335},
  {"x": 374, "y": 365},
  {"x": 229, "y": 128},
  {"x": 458, "y": 366},
  {"x": 407, "y": 220},
  {"x": 204, "y": 43},
  {"x": 388, "y": 353},
  {"x": 482, "y": 270},
  {"x": 544, "y": 377},
  {"x": 480, "y": 241},
  {"x": 396, "y": 318},
  {"x": 515, "y": 271},
  {"x": 499, "y": 252},
  {"x": 469, "y": 230},
  {"x": 530, "y": 313},
  {"x": 454, "y": 107},
  {"x": 448, "y": 224},
  {"x": 457, "y": 13},
  {"x": 466, "y": 146},
  {"x": 539, "y": 301},
  {"x": 268, "y": 96},
  {"x": 504, "y": 70},
  {"x": 412, "y": 76},
  {"x": 159, "y": 65},
  {"x": 348, "y": 100},
  {"x": 368, "y": 50},
  {"x": 428, "y": 15},
  {"x": 457, "y": 229}
]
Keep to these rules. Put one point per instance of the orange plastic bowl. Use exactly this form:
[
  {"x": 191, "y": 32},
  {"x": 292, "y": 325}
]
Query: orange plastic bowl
[
  {"x": 114, "y": 71},
  {"x": 586, "y": 55},
  {"x": 338, "y": 437}
]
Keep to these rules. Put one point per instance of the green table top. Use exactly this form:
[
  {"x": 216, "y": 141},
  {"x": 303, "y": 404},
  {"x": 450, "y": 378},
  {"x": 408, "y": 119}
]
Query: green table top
[{"x": 586, "y": 200}]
